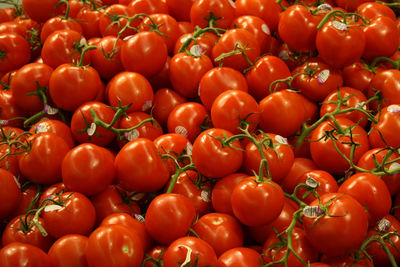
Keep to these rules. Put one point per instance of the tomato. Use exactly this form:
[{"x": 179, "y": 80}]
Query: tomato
[
  {"x": 88, "y": 169},
  {"x": 341, "y": 228},
  {"x": 235, "y": 39},
  {"x": 318, "y": 80},
  {"x": 299, "y": 167},
  {"x": 371, "y": 10},
  {"x": 148, "y": 174},
  {"x": 326, "y": 184},
  {"x": 204, "y": 42},
  {"x": 54, "y": 126},
  {"x": 75, "y": 216},
  {"x": 42, "y": 163},
  {"x": 69, "y": 250},
  {"x": 20, "y": 254},
  {"x": 201, "y": 11},
  {"x": 27, "y": 200},
  {"x": 9, "y": 110},
  {"x": 145, "y": 53},
  {"x": 188, "y": 119},
  {"x": 350, "y": 5},
  {"x": 387, "y": 83},
  {"x": 165, "y": 100},
  {"x": 284, "y": 112},
  {"x": 10, "y": 193},
  {"x": 268, "y": 10},
  {"x": 241, "y": 256},
  {"x": 180, "y": 9},
  {"x": 216, "y": 81},
  {"x": 50, "y": 191},
  {"x": 383, "y": 132},
  {"x": 110, "y": 24},
  {"x": 42, "y": 11},
  {"x": 186, "y": 72},
  {"x": 114, "y": 245},
  {"x": 169, "y": 211},
  {"x": 222, "y": 190},
  {"x": 14, "y": 51},
  {"x": 221, "y": 231},
  {"x": 232, "y": 108},
  {"x": 275, "y": 251},
  {"x": 249, "y": 197},
  {"x": 358, "y": 76},
  {"x": 89, "y": 21},
  {"x": 339, "y": 44},
  {"x": 191, "y": 185},
  {"x": 323, "y": 151},
  {"x": 347, "y": 261},
  {"x": 156, "y": 254},
  {"x": 130, "y": 88},
  {"x": 21, "y": 229},
  {"x": 190, "y": 249},
  {"x": 56, "y": 24},
  {"x": 147, "y": 6},
  {"x": 105, "y": 59},
  {"x": 280, "y": 158},
  {"x": 161, "y": 79},
  {"x": 212, "y": 157}
]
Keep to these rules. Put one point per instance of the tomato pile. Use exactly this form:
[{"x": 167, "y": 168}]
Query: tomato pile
[{"x": 199, "y": 133}]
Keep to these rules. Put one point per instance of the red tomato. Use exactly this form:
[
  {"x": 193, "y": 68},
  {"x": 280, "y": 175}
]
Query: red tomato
[
  {"x": 69, "y": 250},
  {"x": 384, "y": 132},
  {"x": 56, "y": 24},
  {"x": 147, "y": 6},
  {"x": 201, "y": 11},
  {"x": 342, "y": 226},
  {"x": 239, "y": 257},
  {"x": 326, "y": 184},
  {"x": 387, "y": 83},
  {"x": 114, "y": 245},
  {"x": 350, "y": 5},
  {"x": 250, "y": 196},
  {"x": 221, "y": 231},
  {"x": 10, "y": 195},
  {"x": 9, "y": 110},
  {"x": 20, "y": 254},
  {"x": 110, "y": 24},
  {"x": 358, "y": 76},
  {"x": 212, "y": 157},
  {"x": 191, "y": 250},
  {"x": 169, "y": 211},
  {"x": 15, "y": 51},
  {"x": 299, "y": 167},
  {"x": 148, "y": 174},
  {"x": 180, "y": 9},
  {"x": 27, "y": 200},
  {"x": 165, "y": 100},
  {"x": 42, "y": 11},
  {"x": 54, "y": 126},
  {"x": 89, "y": 21},
  {"x": 371, "y": 10},
  {"x": 205, "y": 42}
]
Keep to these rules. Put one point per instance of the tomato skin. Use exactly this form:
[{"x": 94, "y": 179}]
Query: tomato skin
[
  {"x": 165, "y": 100},
  {"x": 42, "y": 11},
  {"x": 266, "y": 70},
  {"x": 8, "y": 109},
  {"x": 371, "y": 10},
  {"x": 267, "y": 10},
  {"x": 186, "y": 71},
  {"x": 348, "y": 5},
  {"x": 299, "y": 167},
  {"x": 69, "y": 250},
  {"x": 47, "y": 153},
  {"x": 150, "y": 130},
  {"x": 148, "y": 174},
  {"x": 147, "y": 6},
  {"x": 89, "y": 21},
  {"x": 180, "y": 9},
  {"x": 357, "y": 76},
  {"x": 57, "y": 23},
  {"x": 27, "y": 197},
  {"x": 57, "y": 127},
  {"x": 16, "y": 51},
  {"x": 337, "y": 235},
  {"x": 169, "y": 211},
  {"x": 266, "y": 196},
  {"x": 339, "y": 48},
  {"x": 114, "y": 245},
  {"x": 178, "y": 251},
  {"x": 10, "y": 195},
  {"x": 239, "y": 257},
  {"x": 388, "y": 124},
  {"x": 216, "y": 81},
  {"x": 221, "y": 231},
  {"x": 77, "y": 216},
  {"x": 145, "y": 53},
  {"x": 106, "y": 25},
  {"x": 222, "y": 9},
  {"x": 206, "y": 42},
  {"x": 212, "y": 158},
  {"x": 156, "y": 253},
  {"x": 388, "y": 83},
  {"x": 21, "y": 254}
]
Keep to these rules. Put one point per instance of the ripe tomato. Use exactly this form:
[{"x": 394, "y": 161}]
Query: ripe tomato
[
  {"x": 69, "y": 250},
  {"x": 299, "y": 167},
  {"x": 10, "y": 195},
  {"x": 358, "y": 76},
  {"x": 326, "y": 184},
  {"x": 165, "y": 100},
  {"x": 268, "y": 10},
  {"x": 383, "y": 132},
  {"x": 89, "y": 21},
  {"x": 201, "y": 11},
  {"x": 21, "y": 254},
  {"x": 205, "y": 42},
  {"x": 14, "y": 51},
  {"x": 147, "y": 6},
  {"x": 240, "y": 256},
  {"x": 371, "y": 10},
  {"x": 180, "y": 9},
  {"x": 9, "y": 110},
  {"x": 110, "y": 24},
  {"x": 42, "y": 11},
  {"x": 169, "y": 211},
  {"x": 387, "y": 83},
  {"x": 341, "y": 228},
  {"x": 114, "y": 245},
  {"x": 54, "y": 126},
  {"x": 56, "y": 24}
]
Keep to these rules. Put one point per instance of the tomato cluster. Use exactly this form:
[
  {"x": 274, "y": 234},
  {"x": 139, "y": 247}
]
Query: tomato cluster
[{"x": 199, "y": 133}]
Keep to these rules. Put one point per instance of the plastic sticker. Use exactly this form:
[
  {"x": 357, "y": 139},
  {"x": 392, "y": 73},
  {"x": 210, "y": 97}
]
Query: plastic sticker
[
  {"x": 205, "y": 195},
  {"x": 52, "y": 208},
  {"x": 284, "y": 55},
  {"x": 394, "y": 166},
  {"x": 323, "y": 8},
  {"x": 265, "y": 29},
  {"x": 393, "y": 108},
  {"x": 132, "y": 135},
  {"x": 3, "y": 122},
  {"x": 139, "y": 217},
  {"x": 92, "y": 129},
  {"x": 41, "y": 128},
  {"x": 361, "y": 105},
  {"x": 181, "y": 130},
  {"x": 232, "y": 3},
  {"x": 17, "y": 182},
  {"x": 339, "y": 25},
  {"x": 281, "y": 140},
  {"x": 83, "y": 42},
  {"x": 185, "y": 38},
  {"x": 197, "y": 50},
  {"x": 384, "y": 225},
  {"x": 311, "y": 182},
  {"x": 189, "y": 148},
  {"x": 323, "y": 76},
  {"x": 312, "y": 211},
  {"x": 50, "y": 110},
  {"x": 147, "y": 105}
]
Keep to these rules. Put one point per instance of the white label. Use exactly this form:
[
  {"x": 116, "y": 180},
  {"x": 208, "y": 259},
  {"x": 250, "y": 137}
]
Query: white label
[
  {"x": 281, "y": 140},
  {"x": 17, "y": 182},
  {"x": 92, "y": 129},
  {"x": 52, "y": 208},
  {"x": 384, "y": 225},
  {"x": 311, "y": 182},
  {"x": 196, "y": 50},
  {"x": 132, "y": 135},
  {"x": 181, "y": 130},
  {"x": 139, "y": 217},
  {"x": 41, "y": 128},
  {"x": 394, "y": 166},
  {"x": 339, "y": 25},
  {"x": 393, "y": 108},
  {"x": 323, "y": 8},
  {"x": 3, "y": 122},
  {"x": 189, "y": 148},
  {"x": 50, "y": 110},
  {"x": 361, "y": 105},
  {"x": 185, "y": 38},
  {"x": 312, "y": 211},
  {"x": 265, "y": 29},
  {"x": 83, "y": 42},
  {"x": 206, "y": 196},
  {"x": 323, "y": 76},
  {"x": 147, "y": 105},
  {"x": 284, "y": 55},
  {"x": 232, "y": 3}
]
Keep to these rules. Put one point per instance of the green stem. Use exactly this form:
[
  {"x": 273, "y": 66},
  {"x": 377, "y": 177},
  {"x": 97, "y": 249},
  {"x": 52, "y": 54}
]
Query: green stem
[
  {"x": 87, "y": 48},
  {"x": 396, "y": 64}
]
